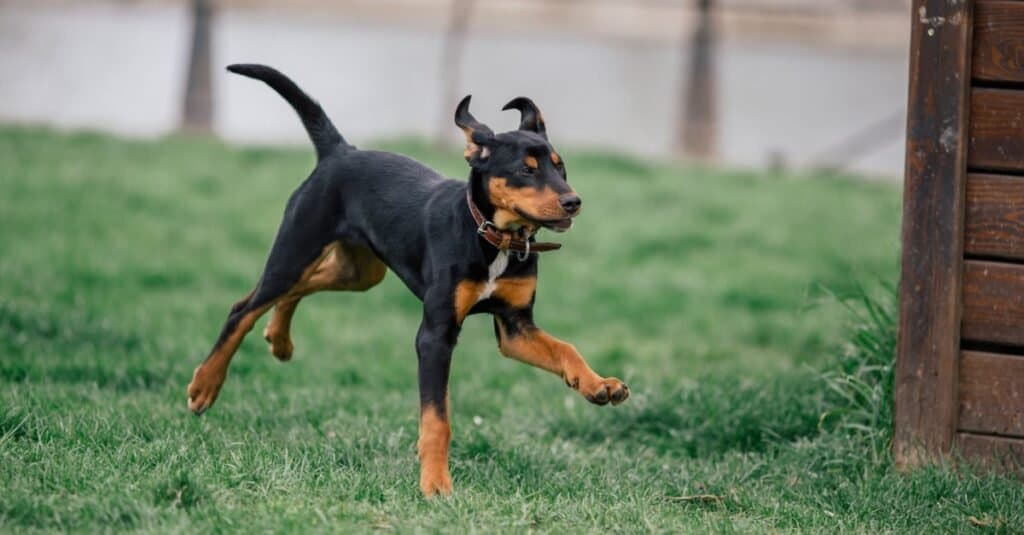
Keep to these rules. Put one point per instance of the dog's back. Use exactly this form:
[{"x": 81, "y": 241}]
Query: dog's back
[
  {"x": 374, "y": 199},
  {"x": 384, "y": 203}
]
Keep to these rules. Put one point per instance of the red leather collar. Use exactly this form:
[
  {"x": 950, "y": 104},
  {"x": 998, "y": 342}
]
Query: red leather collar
[{"x": 505, "y": 240}]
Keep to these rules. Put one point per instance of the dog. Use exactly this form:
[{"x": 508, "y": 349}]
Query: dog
[{"x": 461, "y": 247}]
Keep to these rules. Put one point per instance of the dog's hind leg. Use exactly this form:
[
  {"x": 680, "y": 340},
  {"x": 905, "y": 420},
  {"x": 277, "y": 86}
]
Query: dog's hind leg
[
  {"x": 209, "y": 376},
  {"x": 342, "y": 267},
  {"x": 278, "y": 330},
  {"x": 284, "y": 278}
]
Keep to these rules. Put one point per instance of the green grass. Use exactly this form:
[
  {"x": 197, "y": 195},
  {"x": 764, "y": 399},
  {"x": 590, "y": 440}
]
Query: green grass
[{"x": 729, "y": 301}]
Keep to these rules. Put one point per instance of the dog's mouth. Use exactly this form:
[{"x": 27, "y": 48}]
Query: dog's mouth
[
  {"x": 561, "y": 225},
  {"x": 557, "y": 225}
]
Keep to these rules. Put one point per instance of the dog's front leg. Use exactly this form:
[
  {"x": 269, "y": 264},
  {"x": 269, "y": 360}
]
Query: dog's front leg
[
  {"x": 434, "y": 343},
  {"x": 520, "y": 339}
]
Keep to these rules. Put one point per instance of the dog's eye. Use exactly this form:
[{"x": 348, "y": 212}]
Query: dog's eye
[{"x": 527, "y": 170}]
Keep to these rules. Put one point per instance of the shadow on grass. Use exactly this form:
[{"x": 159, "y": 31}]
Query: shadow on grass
[
  {"x": 713, "y": 416},
  {"x": 852, "y": 395}
]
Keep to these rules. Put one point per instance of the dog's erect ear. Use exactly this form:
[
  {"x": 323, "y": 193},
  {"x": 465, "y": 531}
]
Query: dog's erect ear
[
  {"x": 532, "y": 120},
  {"x": 478, "y": 135}
]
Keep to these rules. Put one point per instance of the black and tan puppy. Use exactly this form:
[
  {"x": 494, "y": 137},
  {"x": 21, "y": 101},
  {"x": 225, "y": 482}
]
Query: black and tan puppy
[{"x": 462, "y": 247}]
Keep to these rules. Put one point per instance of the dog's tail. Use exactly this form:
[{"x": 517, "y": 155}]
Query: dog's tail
[{"x": 321, "y": 130}]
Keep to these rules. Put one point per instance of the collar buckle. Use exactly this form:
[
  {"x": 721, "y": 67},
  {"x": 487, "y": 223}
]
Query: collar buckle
[{"x": 484, "y": 225}]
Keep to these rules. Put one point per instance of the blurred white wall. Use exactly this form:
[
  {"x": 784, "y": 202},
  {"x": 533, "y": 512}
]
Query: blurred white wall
[{"x": 119, "y": 66}]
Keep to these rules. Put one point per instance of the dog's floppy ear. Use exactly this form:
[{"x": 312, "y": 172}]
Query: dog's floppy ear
[
  {"x": 478, "y": 135},
  {"x": 532, "y": 120}
]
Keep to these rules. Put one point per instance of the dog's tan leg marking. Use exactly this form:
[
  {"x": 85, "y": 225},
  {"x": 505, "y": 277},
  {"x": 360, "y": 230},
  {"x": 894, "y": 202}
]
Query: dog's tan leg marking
[
  {"x": 340, "y": 268},
  {"x": 348, "y": 268},
  {"x": 435, "y": 435},
  {"x": 209, "y": 376},
  {"x": 278, "y": 330},
  {"x": 538, "y": 348}
]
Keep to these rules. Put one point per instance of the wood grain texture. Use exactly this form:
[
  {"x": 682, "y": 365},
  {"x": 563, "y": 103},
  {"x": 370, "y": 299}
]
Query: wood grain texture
[
  {"x": 994, "y": 224},
  {"x": 933, "y": 216},
  {"x": 993, "y": 303},
  {"x": 998, "y": 41},
  {"x": 999, "y": 453},
  {"x": 992, "y": 393},
  {"x": 997, "y": 130}
]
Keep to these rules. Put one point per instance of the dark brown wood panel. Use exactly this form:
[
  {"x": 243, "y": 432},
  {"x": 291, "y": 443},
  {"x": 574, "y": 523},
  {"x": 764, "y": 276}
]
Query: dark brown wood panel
[
  {"x": 992, "y": 393},
  {"x": 993, "y": 303},
  {"x": 994, "y": 224},
  {"x": 933, "y": 218},
  {"x": 997, "y": 130},
  {"x": 999, "y": 41},
  {"x": 993, "y": 452}
]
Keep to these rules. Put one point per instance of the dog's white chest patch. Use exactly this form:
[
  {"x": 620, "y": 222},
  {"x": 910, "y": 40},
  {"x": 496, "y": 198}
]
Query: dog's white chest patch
[{"x": 497, "y": 267}]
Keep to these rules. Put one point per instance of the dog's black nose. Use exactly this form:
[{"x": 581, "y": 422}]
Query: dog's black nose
[{"x": 570, "y": 203}]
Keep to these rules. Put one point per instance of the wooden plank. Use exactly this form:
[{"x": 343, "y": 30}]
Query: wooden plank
[
  {"x": 997, "y": 130},
  {"x": 1000, "y": 453},
  {"x": 998, "y": 41},
  {"x": 933, "y": 215},
  {"x": 994, "y": 224},
  {"x": 993, "y": 303},
  {"x": 992, "y": 393}
]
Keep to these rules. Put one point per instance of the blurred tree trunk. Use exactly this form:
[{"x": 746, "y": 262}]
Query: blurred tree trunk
[
  {"x": 451, "y": 62},
  {"x": 197, "y": 116},
  {"x": 698, "y": 136}
]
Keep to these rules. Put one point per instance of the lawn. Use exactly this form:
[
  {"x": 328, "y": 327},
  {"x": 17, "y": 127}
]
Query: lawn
[{"x": 750, "y": 314}]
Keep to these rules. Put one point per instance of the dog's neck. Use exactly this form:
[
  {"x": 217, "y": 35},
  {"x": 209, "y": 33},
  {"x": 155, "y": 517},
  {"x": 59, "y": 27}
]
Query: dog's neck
[{"x": 479, "y": 195}]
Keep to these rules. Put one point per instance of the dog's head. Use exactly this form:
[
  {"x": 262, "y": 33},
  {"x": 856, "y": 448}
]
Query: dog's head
[{"x": 519, "y": 171}]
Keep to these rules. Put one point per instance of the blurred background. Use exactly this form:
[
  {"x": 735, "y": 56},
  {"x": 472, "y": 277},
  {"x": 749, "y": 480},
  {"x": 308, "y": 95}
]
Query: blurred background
[
  {"x": 731, "y": 266},
  {"x": 805, "y": 85}
]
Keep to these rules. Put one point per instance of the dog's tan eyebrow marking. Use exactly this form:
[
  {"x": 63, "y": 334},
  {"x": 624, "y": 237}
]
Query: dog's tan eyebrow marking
[
  {"x": 555, "y": 158},
  {"x": 531, "y": 162}
]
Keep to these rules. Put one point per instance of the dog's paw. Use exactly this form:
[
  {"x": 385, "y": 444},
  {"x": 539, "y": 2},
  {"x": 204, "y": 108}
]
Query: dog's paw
[
  {"x": 203, "y": 389},
  {"x": 435, "y": 483},
  {"x": 280, "y": 346},
  {"x": 606, "y": 390}
]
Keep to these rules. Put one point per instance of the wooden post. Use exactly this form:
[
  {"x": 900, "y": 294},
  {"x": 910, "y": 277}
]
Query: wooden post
[
  {"x": 451, "y": 62},
  {"x": 933, "y": 226},
  {"x": 697, "y": 129},
  {"x": 197, "y": 113}
]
